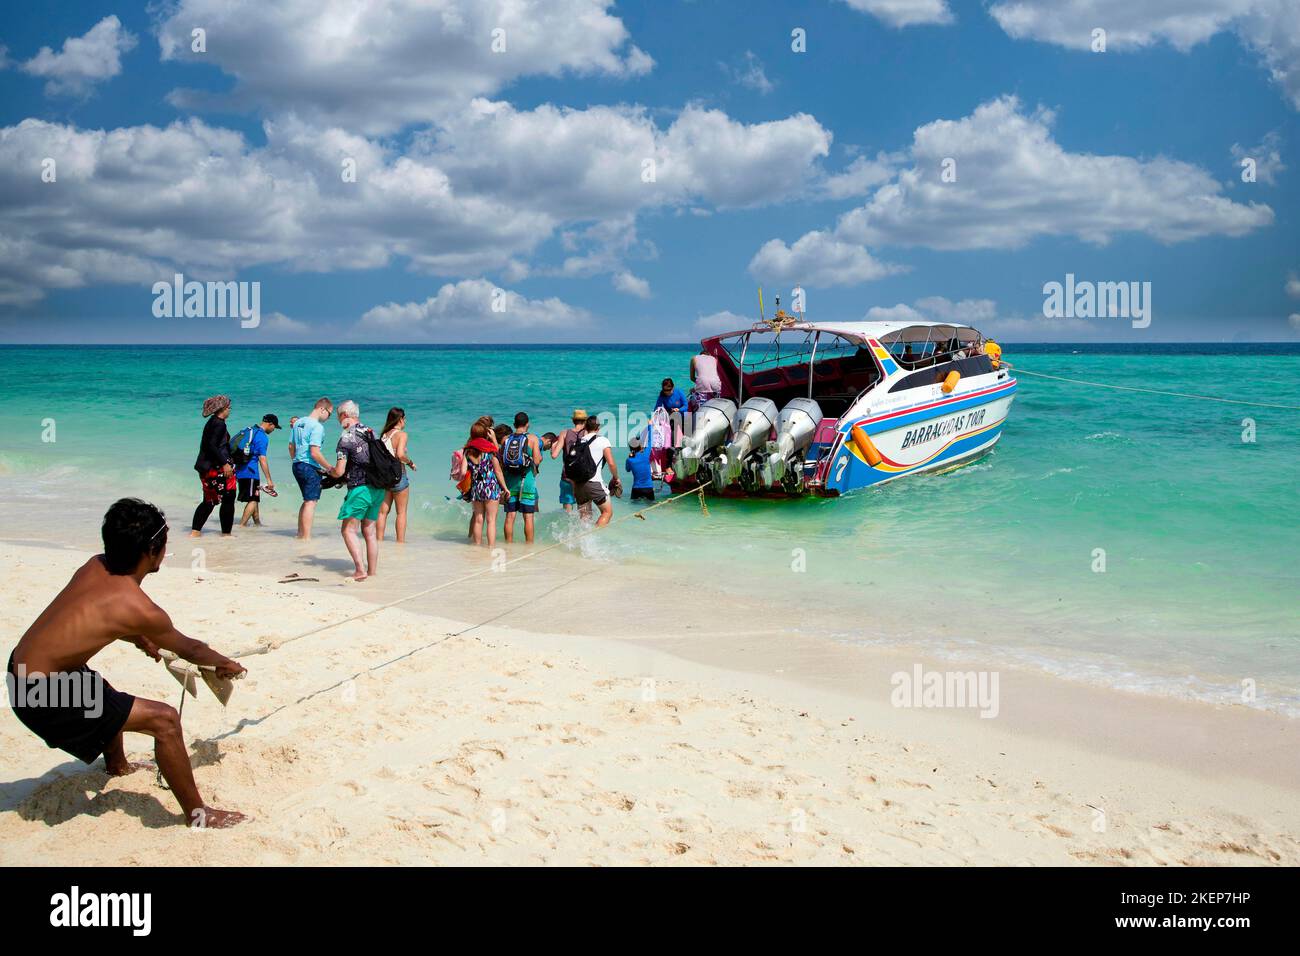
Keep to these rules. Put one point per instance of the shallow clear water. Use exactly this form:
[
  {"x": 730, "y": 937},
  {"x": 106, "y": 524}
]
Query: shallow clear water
[{"x": 994, "y": 560}]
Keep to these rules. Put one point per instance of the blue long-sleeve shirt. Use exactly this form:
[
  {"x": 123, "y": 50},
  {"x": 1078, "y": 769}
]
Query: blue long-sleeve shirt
[
  {"x": 674, "y": 402},
  {"x": 638, "y": 463}
]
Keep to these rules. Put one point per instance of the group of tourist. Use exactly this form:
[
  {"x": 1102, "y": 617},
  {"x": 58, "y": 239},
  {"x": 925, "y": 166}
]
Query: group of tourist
[
  {"x": 496, "y": 470},
  {"x": 372, "y": 468}
]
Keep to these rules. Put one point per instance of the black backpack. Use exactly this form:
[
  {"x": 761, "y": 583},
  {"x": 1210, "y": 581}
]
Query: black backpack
[
  {"x": 579, "y": 466},
  {"x": 383, "y": 470},
  {"x": 241, "y": 450}
]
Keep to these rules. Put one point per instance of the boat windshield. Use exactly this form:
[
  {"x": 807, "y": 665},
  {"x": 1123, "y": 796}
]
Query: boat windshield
[
  {"x": 830, "y": 367},
  {"x": 757, "y": 351}
]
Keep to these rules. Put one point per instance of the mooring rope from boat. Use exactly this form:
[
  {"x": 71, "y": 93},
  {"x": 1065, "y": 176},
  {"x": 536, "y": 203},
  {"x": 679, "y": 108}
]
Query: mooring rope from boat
[
  {"x": 1152, "y": 391},
  {"x": 640, "y": 513}
]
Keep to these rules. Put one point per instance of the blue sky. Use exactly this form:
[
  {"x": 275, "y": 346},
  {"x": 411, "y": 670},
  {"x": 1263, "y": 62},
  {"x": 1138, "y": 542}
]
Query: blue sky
[{"x": 521, "y": 169}]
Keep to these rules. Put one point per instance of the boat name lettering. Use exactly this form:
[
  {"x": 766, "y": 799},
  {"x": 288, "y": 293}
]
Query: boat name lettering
[{"x": 925, "y": 433}]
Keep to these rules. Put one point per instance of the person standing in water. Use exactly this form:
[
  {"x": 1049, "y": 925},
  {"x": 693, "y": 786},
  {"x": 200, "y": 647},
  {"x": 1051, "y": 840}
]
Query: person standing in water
[
  {"x": 587, "y": 459},
  {"x": 103, "y": 603},
  {"x": 521, "y": 455},
  {"x": 309, "y": 464},
  {"x": 562, "y": 444},
  {"x": 215, "y": 467},
  {"x": 487, "y": 486},
  {"x": 248, "y": 475},
  {"x": 395, "y": 440},
  {"x": 638, "y": 465}
]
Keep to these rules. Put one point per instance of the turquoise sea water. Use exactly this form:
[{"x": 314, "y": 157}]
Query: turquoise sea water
[{"x": 995, "y": 560}]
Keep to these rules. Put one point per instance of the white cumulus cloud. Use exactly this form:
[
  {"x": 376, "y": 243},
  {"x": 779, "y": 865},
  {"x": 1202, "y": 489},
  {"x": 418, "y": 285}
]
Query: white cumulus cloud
[
  {"x": 1013, "y": 183},
  {"x": 817, "y": 259},
  {"x": 473, "y": 306},
  {"x": 384, "y": 64},
  {"x": 905, "y": 13},
  {"x": 84, "y": 61},
  {"x": 629, "y": 284},
  {"x": 1269, "y": 27},
  {"x": 1266, "y": 155}
]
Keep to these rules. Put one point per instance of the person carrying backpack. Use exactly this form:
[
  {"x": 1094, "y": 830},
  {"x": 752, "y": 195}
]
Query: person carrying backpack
[
  {"x": 521, "y": 457},
  {"x": 584, "y": 462},
  {"x": 369, "y": 470},
  {"x": 248, "y": 452},
  {"x": 561, "y": 445}
]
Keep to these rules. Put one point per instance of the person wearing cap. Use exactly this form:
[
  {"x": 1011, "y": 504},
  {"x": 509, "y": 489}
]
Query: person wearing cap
[
  {"x": 563, "y": 442},
  {"x": 248, "y": 476},
  {"x": 638, "y": 464}
]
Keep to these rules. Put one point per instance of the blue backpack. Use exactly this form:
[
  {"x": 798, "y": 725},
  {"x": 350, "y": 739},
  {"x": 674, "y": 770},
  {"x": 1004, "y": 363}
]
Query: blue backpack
[
  {"x": 241, "y": 452},
  {"x": 515, "y": 459}
]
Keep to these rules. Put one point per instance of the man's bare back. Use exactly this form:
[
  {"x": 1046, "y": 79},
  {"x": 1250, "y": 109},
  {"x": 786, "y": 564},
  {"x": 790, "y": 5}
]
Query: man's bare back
[
  {"x": 94, "y": 610},
  {"x": 104, "y": 602}
]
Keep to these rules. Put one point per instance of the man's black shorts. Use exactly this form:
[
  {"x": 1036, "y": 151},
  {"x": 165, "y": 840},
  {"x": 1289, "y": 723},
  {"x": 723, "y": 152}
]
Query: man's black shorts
[{"x": 84, "y": 727}]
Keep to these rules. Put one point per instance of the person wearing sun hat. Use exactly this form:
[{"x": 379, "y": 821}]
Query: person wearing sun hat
[
  {"x": 215, "y": 467},
  {"x": 562, "y": 443}
]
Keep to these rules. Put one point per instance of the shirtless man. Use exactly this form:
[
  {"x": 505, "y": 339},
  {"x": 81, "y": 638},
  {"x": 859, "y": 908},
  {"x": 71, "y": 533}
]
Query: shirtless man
[{"x": 101, "y": 604}]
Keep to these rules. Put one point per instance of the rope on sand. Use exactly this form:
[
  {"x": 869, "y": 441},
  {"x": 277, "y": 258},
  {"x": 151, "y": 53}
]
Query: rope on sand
[
  {"x": 274, "y": 645},
  {"x": 1153, "y": 391}
]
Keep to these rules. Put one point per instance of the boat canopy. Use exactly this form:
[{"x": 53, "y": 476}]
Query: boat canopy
[{"x": 860, "y": 332}]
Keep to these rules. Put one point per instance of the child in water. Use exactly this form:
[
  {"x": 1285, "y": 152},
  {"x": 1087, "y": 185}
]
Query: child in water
[{"x": 638, "y": 463}]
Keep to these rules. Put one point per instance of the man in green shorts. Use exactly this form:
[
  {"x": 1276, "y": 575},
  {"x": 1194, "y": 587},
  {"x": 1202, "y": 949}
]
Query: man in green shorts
[
  {"x": 361, "y": 506},
  {"x": 521, "y": 455}
]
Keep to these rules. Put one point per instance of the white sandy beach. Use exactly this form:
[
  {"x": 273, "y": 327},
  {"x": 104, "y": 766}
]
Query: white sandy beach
[{"x": 397, "y": 739}]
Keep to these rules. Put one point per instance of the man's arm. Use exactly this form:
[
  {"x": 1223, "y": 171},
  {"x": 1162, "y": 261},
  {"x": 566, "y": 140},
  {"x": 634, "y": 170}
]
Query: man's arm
[
  {"x": 266, "y": 470},
  {"x": 320, "y": 459},
  {"x": 536, "y": 453},
  {"x": 157, "y": 628}
]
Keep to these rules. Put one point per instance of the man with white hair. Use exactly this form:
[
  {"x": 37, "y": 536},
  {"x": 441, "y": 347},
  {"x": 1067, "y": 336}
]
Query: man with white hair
[{"x": 361, "y": 506}]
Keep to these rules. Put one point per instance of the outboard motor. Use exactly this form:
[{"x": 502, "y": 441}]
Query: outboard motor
[
  {"x": 752, "y": 424},
  {"x": 795, "y": 428},
  {"x": 711, "y": 423}
]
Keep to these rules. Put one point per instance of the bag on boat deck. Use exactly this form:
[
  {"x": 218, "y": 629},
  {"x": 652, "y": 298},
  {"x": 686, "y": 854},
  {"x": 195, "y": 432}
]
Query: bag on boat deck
[
  {"x": 241, "y": 450},
  {"x": 578, "y": 463},
  {"x": 383, "y": 470},
  {"x": 515, "y": 459}
]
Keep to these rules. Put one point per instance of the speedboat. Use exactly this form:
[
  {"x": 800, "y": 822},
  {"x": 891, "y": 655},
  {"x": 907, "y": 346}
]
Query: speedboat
[{"x": 824, "y": 408}]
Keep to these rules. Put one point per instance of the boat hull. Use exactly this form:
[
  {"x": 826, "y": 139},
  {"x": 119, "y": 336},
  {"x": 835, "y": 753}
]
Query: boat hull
[{"x": 920, "y": 438}]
